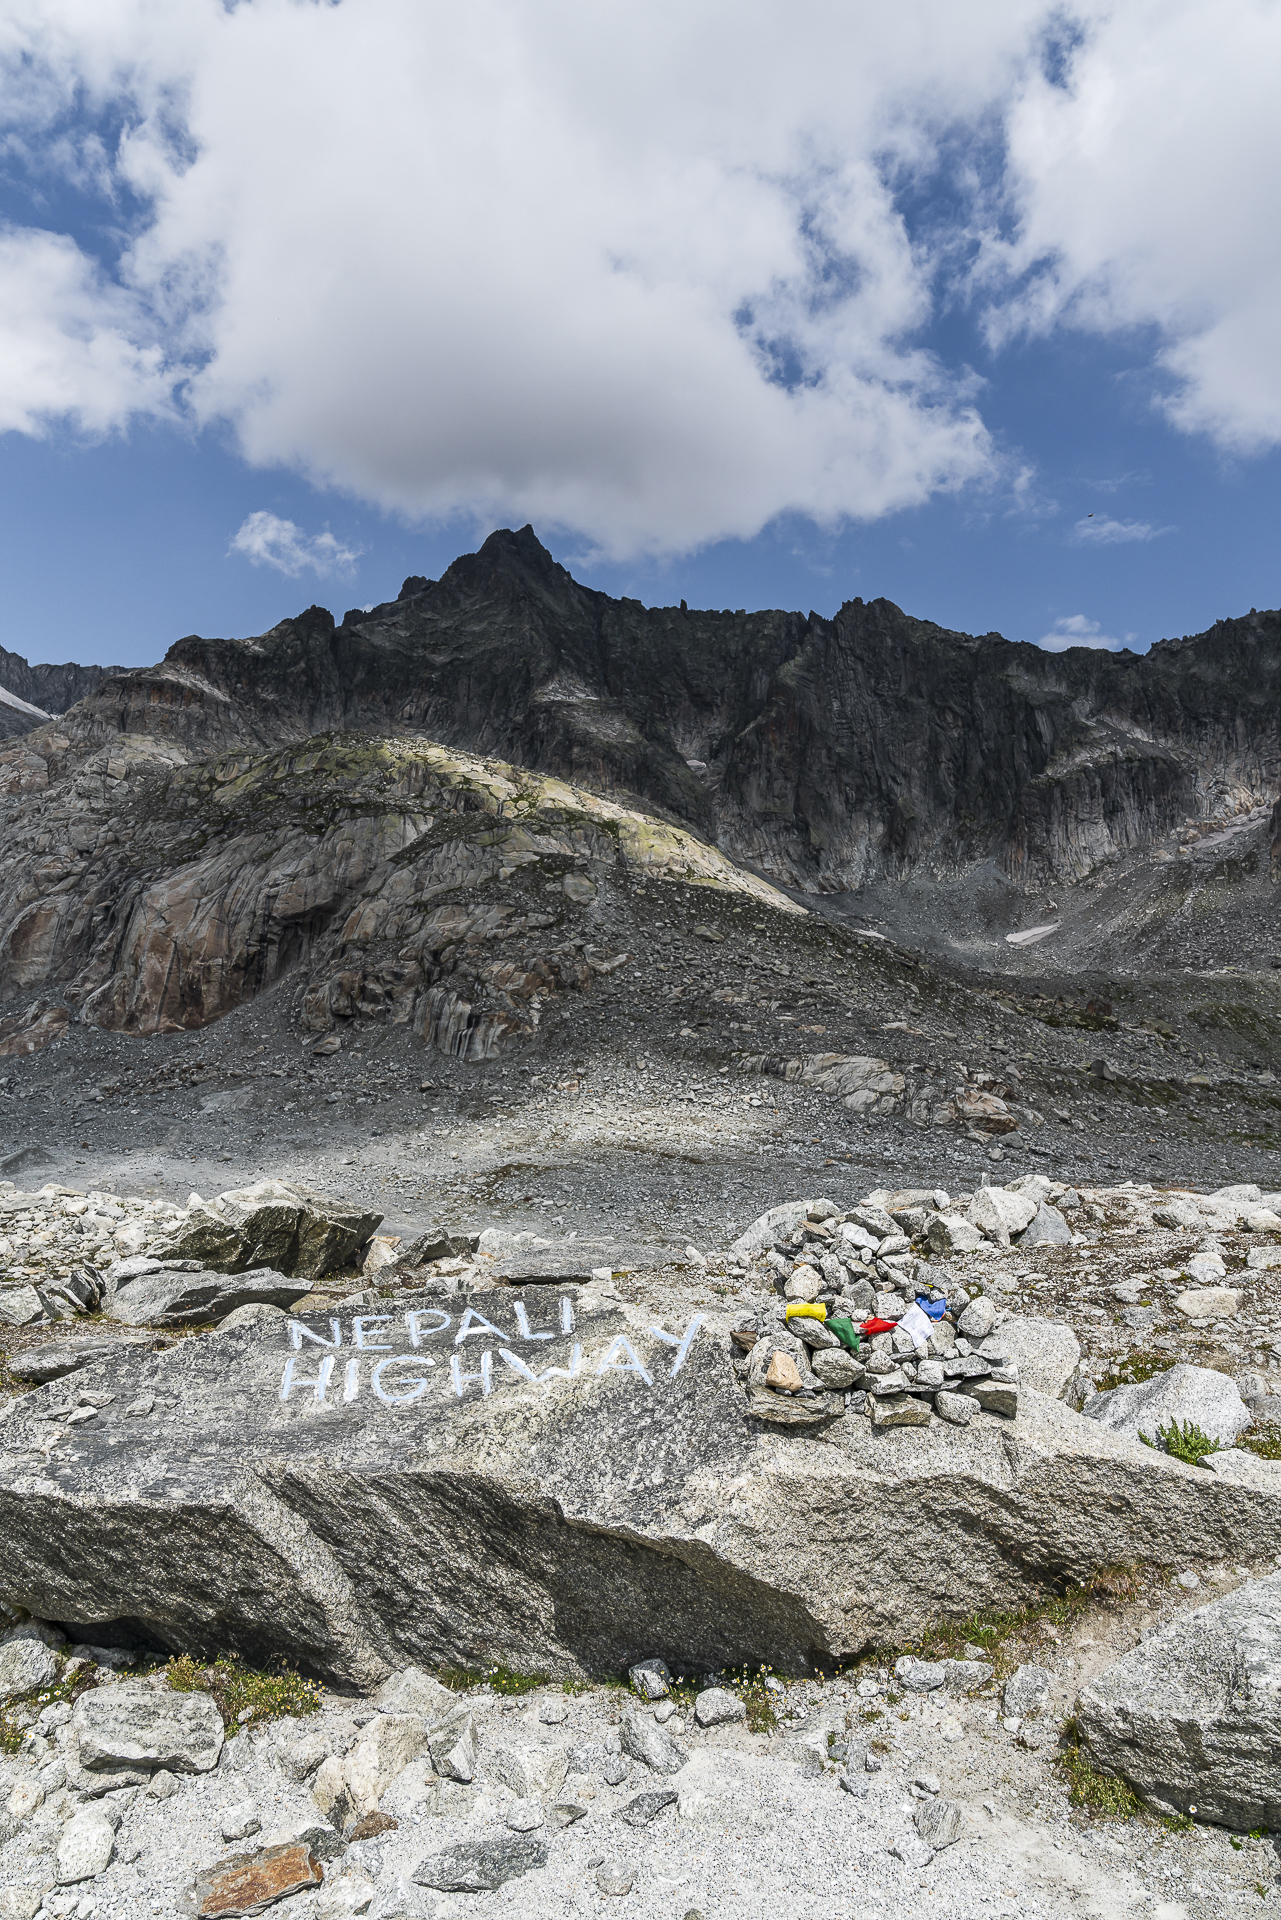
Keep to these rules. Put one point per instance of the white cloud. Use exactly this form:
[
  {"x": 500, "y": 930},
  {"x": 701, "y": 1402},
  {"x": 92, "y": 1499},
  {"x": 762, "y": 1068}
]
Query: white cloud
[
  {"x": 1142, "y": 190},
  {"x": 1076, "y": 631},
  {"x": 1098, "y": 530},
  {"x": 71, "y": 346},
  {"x": 267, "y": 540},
  {"x": 637, "y": 274}
]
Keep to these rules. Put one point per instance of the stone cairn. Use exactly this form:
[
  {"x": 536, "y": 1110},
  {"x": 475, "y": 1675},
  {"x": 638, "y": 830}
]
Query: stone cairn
[{"x": 860, "y": 1266}]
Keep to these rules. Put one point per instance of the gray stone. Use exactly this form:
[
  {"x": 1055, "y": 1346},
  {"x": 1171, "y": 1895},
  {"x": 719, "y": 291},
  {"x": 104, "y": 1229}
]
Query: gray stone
[
  {"x": 949, "y": 1233},
  {"x": 940, "y": 1823},
  {"x": 644, "y": 1807},
  {"x": 1047, "y": 1229},
  {"x": 172, "y": 1299},
  {"x": 1026, "y": 1690},
  {"x": 652, "y": 1745},
  {"x": 85, "y": 1848},
  {"x": 919, "y": 1676},
  {"x": 903, "y": 1410},
  {"x": 20, "y": 1903},
  {"x": 966, "y": 1676},
  {"x": 994, "y": 1396},
  {"x": 717, "y": 1707},
  {"x": 524, "y": 1816},
  {"x": 20, "y": 1306},
  {"x": 650, "y": 1679},
  {"x": 239, "y": 1822},
  {"x": 255, "y": 1314},
  {"x": 480, "y": 1866},
  {"x": 453, "y": 1743},
  {"x": 998, "y": 1214},
  {"x": 1208, "y": 1303},
  {"x": 1192, "y": 1716},
  {"x": 1181, "y": 1394},
  {"x": 958, "y": 1409},
  {"x": 57, "y": 1358},
  {"x": 275, "y": 1224},
  {"x": 838, "y": 1368},
  {"x": 813, "y": 1334},
  {"x": 24, "y": 1666},
  {"x": 978, "y": 1319},
  {"x": 769, "y": 1227},
  {"x": 614, "y": 1876},
  {"x": 131, "y": 1726},
  {"x": 529, "y": 1772},
  {"x": 912, "y": 1850},
  {"x": 567, "y": 1812}
]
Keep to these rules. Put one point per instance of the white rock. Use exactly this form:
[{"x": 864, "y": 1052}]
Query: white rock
[
  {"x": 769, "y": 1227},
  {"x": 997, "y": 1213},
  {"x": 1262, "y": 1220},
  {"x": 352, "y": 1894},
  {"x": 1205, "y": 1268},
  {"x": 1026, "y": 1690},
  {"x": 940, "y": 1823},
  {"x": 952, "y": 1233},
  {"x": 454, "y": 1744},
  {"x": 717, "y": 1706},
  {"x": 20, "y": 1903},
  {"x": 85, "y": 1849},
  {"x": 912, "y": 1850},
  {"x": 131, "y": 1726},
  {"x": 978, "y": 1319},
  {"x": 239, "y": 1822},
  {"x": 386, "y": 1746},
  {"x": 1184, "y": 1394},
  {"x": 1209, "y": 1303},
  {"x": 1045, "y": 1352}
]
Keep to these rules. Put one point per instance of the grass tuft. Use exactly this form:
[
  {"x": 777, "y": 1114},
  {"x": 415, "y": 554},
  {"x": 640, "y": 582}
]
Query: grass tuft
[
  {"x": 502, "y": 1679},
  {"x": 237, "y": 1689},
  {"x": 1184, "y": 1442},
  {"x": 1088, "y": 1788}
]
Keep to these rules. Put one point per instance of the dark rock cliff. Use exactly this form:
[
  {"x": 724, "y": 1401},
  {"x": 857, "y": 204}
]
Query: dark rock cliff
[
  {"x": 827, "y": 752},
  {"x": 51, "y": 689}
]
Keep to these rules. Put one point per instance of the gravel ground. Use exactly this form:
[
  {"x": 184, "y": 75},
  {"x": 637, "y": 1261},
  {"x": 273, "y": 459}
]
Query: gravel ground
[{"x": 763, "y": 1825}]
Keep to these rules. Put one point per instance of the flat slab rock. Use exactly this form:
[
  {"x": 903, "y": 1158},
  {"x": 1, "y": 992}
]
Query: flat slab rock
[
  {"x": 247, "y": 1883},
  {"x": 550, "y": 1479},
  {"x": 170, "y": 1299}
]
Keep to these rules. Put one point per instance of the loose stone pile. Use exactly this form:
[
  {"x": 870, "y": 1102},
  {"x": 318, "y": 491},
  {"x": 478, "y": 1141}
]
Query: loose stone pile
[
  {"x": 64, "y": 1254},
  {"x": 943, "y": 1355}
]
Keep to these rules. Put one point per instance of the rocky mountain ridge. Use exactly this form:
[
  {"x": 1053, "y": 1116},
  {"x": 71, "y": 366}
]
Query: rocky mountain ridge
[{"x": 829, "y": 753}]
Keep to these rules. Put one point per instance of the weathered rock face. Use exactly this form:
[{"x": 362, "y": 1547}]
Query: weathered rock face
[
  {"x": 1192, "y": 1717},
  {"x": 189, "y": 833},
  {"x": 565, "y": 1488},
  {"x": 34, "y": 693},
  {"x": 834, "y": 749},
  {"x": 392, "y": 875}
]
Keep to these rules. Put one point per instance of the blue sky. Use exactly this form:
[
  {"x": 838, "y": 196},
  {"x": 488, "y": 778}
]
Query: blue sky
[{"x": 838, "y": 339}]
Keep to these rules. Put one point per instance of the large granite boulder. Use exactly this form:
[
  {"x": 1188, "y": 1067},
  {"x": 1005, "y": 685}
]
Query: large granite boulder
[
  {"x": 274, "y": 1223},
  {"x": 1192, "y": 1717},
  {"x": 551, "y": 1480},
  {"x": 1182, "y": 1395}
]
